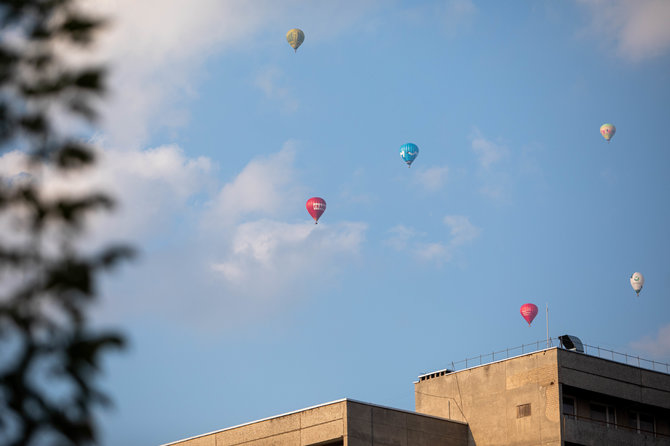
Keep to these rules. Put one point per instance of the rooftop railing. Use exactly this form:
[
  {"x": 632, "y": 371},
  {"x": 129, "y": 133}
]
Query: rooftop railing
[{"x": 487, "y": 358}]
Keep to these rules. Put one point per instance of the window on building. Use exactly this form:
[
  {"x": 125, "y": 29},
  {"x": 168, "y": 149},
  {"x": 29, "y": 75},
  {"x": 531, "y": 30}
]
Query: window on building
[
  {"x": 633, "y": 421},
  {"x": 603, "y": 413},
  {"x": 647, "y": 423},
  {"x": 641, "y": 422},
  {"x": 523, "y": 410},
  {"x": 569, "y": 406}
]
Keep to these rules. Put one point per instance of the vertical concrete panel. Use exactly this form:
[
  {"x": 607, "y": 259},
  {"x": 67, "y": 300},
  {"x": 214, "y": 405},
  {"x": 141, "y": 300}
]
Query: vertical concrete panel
[
  {"x": 368, "y": 425},
  {"x": 358, "y": 424},
  {"x": 552, "y": 408},
  {"x": 488, "y": 397}
]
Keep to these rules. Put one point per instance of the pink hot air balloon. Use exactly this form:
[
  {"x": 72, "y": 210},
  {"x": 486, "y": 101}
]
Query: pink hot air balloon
[
  {"x": 316, "y": 206},
  {"x": 529, "y": 311}
]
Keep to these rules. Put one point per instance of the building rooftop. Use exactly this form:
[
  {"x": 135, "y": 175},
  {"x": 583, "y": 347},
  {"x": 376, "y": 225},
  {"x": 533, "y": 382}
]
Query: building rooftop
[{"x": 538, "y": 346}]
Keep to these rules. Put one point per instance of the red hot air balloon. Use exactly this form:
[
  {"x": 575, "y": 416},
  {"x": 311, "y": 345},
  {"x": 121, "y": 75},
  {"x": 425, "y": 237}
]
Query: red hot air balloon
[
  {"x": 529, "y": 311},
  {"x": 316, "y": 206}
]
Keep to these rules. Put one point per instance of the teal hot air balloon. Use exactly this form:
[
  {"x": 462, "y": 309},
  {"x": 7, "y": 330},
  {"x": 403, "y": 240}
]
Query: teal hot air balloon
[
  {"x": 408, "y": 153},
  {"x": 295, "y": 37}
]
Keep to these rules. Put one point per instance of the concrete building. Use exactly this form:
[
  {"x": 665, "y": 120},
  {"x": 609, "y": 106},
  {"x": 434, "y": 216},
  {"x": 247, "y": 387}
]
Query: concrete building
[
  {"x": 552, "y": 397},
  {"x": 341, "y": 423}
]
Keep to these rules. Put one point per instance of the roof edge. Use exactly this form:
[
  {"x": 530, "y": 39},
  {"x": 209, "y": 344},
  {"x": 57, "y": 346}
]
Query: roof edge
[{"x": 341, "y": 400}]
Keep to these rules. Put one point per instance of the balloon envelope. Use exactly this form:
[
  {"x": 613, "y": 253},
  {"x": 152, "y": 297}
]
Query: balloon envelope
[
  {"x": 529, "y": 311},
  {"x": 408, "y": 152},
  {"x": 295, "y": 37},
  {"x": 316, "y": 206},
  {"x": 637, "y": 282},
  {"x": 607, "y": 130}
]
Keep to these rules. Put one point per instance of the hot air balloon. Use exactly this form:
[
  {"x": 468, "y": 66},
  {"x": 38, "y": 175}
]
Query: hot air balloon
[
  {"x": 637, "y": 282},
  {"x": 295, "y": 37},
  {"x": 316, "y": 206},
  {"x": 408, "y": 152},
  {"x": 529, "y": 311},
  {"x": 607, "y": 130}
]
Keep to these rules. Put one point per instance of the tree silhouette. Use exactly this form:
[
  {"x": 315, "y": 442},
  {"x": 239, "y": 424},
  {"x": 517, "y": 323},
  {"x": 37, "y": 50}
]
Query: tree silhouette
[{"x": 49, "y": 354}]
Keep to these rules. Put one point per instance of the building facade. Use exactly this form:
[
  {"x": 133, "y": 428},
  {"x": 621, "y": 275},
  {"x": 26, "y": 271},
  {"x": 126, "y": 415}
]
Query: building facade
[
  {"x": 340, "y": 423},
  {"x": 551, "y": 397}
]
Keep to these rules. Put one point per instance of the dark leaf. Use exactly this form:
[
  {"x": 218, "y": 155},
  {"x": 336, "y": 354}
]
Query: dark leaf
[
  {"x": 70, "y": 276},
  {"x": 72, "y": 211},
  {"x": 81, "y": 106},
  {"x": 90, "y": 80},
  {"x": 113, "y": 255},
  {"x": 79, "y": 28},
  {"x": 74, "y": 155},
  {"x": 34, "y": 123}
]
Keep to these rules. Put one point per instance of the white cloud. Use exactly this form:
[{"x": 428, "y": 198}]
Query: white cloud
[
  {"x": 156, "y": 48},
  {"x": 495, "y": 180},
  {"x": 264, "y": 187},
  {"x": 496, "y": 187},
  {"x": 637, "y": 29},
  {"x": 258, "y": 254},
  {"x": 224, "y": 249},
  {"x": 433, "y": 178},
  {"x": 461, "y": 232},
  {"x": 487, "y": 151},
  {"x": 437, "y": 252},
  {"x": 401, "y": 236},
  {"x": 269, "y": 80},
  {"x": 658, "y": 347},
  {"x": 458, "y": 13},
  {"x": 406, "y": 239},
  {"x": 149, "y": 186},
  {"x": 268, "y": 258}
]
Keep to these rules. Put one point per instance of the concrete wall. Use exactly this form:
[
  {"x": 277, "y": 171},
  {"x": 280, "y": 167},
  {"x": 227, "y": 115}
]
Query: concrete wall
[
  {"x": 369, "y": 425},
  {"x": 614, "y": 379},
  {"x": 345, "y": 422},
  {"x": 319, "y": 424},
  {"x": 487, "y": 397}
]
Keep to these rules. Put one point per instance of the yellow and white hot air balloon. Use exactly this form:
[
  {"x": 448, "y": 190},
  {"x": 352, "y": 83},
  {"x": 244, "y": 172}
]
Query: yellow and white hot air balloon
[
  {"x": 637, "y": 282},
  {"x": 295, "y": 37}
]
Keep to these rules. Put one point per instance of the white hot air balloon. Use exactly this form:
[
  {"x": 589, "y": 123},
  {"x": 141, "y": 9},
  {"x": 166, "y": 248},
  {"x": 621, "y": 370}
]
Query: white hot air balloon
[{"x": 637, "y": 282}]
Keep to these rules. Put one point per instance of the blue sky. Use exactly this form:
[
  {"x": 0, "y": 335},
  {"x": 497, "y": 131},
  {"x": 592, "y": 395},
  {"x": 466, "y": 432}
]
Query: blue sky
[{"x": 216, "y": 133}]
